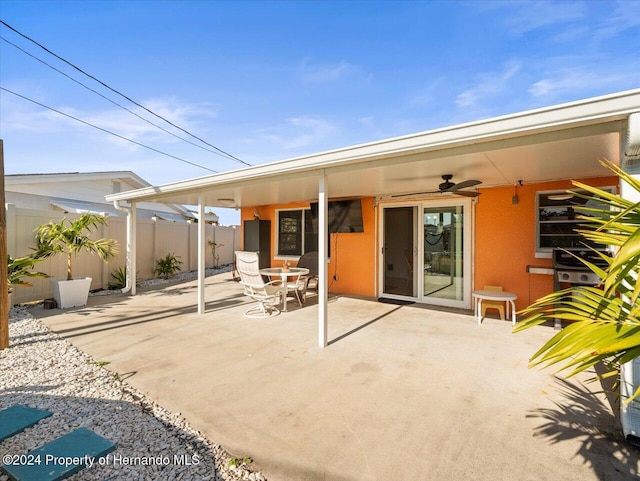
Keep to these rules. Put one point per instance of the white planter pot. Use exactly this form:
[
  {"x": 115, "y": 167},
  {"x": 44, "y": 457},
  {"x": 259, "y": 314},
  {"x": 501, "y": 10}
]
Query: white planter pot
[{"x": 71, "y": 293}]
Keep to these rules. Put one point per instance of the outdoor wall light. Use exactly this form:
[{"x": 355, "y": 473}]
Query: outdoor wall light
[
  {"x": 154, "y": 217},
  {"x": 515, "y": 199}
]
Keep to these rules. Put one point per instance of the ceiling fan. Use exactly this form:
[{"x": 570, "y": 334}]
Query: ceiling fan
[{"x": 448, "y": 187}]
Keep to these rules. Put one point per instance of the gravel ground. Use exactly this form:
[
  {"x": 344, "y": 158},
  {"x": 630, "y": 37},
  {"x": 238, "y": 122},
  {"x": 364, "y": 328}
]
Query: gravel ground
[
  {"x": 43, "y": 370},
  {"x": 180, "y": 277}
]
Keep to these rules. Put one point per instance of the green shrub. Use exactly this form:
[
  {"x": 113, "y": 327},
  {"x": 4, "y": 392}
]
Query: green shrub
[
  {"x": 118, "y": 278},
  {"x": 167, "y": 266},
  {"x": 21, "y": 267}
]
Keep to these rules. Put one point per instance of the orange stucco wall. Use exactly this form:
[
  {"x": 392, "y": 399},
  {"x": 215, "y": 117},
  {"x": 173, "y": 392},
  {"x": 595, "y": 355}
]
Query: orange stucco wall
[
  {"x": 504, "y": 243},
  {"x": 352, "y": 254},
  {"x": 505, "y": 239}
]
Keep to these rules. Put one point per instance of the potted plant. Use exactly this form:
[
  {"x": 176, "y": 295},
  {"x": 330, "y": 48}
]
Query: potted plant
[
  {"x": 70, "y": 238},
  {"x": 19, "y": 268}
]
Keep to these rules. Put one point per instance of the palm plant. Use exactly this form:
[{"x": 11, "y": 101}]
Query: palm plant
[
  {"x": 21, "y": 267},
  {"x": 72, "y": 237},
  {"x": 605, "y": 319},
  {"x": 168, "y": 265}
]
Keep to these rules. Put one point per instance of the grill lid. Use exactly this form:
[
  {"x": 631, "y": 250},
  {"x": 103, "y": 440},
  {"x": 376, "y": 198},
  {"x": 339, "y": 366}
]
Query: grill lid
[{"x": 565, "y": 259}]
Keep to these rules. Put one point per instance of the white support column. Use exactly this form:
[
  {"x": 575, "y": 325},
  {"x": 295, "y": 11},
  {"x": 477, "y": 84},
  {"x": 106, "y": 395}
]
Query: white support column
[
  {"x": 201, "y": 253},
  {"x": 629, "y": 382},
  {"x": 132, "y": 228},
  {"x": 323, "y": 251}
]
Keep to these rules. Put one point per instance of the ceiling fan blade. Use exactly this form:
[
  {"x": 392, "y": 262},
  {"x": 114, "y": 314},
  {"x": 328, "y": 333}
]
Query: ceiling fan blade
[
  {"x": 464, "y": 184},
  {"x": 466, "y": 193},
  {"x": 416, "y": 193}
]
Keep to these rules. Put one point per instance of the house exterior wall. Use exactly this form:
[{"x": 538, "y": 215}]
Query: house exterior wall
[
  {"x": 39, "y": 195},
  {"x": 353, "y": 256},
  {"x": 505, "y": 243},
  {"x": 505, "y": 239}
]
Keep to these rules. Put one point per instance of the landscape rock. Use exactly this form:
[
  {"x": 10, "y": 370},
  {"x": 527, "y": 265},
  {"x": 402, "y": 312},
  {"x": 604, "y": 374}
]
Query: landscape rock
[{"x": 42, "y": 370}]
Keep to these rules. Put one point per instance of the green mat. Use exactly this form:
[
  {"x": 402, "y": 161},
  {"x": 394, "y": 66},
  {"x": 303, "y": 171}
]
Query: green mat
[
  {"x": 61, "y": 457},
  {"x": 17, "y": 418}
]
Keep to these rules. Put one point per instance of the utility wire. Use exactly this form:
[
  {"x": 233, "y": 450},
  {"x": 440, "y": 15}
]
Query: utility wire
[
  {"x": 121, "y": 94},
  {"x": 110, "y": 100},
  {"x": 106, "y": 131}
]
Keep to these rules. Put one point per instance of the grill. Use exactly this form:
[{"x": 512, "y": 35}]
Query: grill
[{"x": 570, "y": 270}]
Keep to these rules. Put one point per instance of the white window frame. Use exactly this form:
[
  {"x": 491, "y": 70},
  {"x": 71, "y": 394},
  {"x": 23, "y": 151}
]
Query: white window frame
[{"x": 546, "y": 252}]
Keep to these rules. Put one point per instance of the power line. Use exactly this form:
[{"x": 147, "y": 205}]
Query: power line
[
  {"x": 108, "y": 99},
  {"x": 121, "y": 94},
  {"x": 106, "y": 131}
]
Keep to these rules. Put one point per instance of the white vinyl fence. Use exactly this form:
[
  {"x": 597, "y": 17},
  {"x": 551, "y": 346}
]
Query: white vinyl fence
[{"x": 155, "y": 239}]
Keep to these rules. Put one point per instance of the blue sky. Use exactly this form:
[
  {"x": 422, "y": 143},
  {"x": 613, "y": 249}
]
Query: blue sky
[{"x": 268, "y": 81}]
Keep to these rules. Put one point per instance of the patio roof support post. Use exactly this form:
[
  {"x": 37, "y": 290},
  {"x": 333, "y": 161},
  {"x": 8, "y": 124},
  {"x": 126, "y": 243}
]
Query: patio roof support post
[
  {"x": 132, "y": 247},
  {"x": 323, "y": 244},
  {"x": 201, "y": 252},
  {"x": 130, "y": 285}
]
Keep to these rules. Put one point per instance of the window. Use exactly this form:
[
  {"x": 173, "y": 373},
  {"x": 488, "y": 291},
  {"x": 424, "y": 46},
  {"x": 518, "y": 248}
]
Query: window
[
  {"x": 557, "y": 218},
  {"x": 296, "y": 234}
]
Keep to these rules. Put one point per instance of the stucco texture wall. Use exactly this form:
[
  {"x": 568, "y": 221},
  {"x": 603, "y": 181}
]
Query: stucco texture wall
[
  {"x": 505, "y": 241},
  {"x": 352, "y": 254}
]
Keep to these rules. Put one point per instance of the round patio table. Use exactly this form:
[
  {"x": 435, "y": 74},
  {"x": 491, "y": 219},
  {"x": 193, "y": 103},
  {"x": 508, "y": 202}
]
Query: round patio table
[
  {"x": 501, "y": 296},
  {"x": 284, "y": 274}
]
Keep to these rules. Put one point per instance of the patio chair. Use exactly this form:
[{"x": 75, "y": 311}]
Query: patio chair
[
  {"x": 498, "y": 305},
  {"x": 308, "y": 261},
  {"x": 299, "y": 288},
  {"x": 266, "y": 293}
]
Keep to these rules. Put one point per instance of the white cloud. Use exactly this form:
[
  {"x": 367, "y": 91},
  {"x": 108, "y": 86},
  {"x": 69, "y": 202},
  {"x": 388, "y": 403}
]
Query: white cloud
[
  {"x": 575, "y": 80},
  {"x": 626, "y": 16},
  {"x": 488, "y": 85},
  {"x": 528, "y": 16},
  {"x": 303, "y": 131},
  {"x": 325, "y": 73},
  {"x": 368, "y": 121},
  {"x": 21, "y": 115}
]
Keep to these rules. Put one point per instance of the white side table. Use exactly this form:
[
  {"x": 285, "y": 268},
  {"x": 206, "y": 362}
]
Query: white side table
[{"x": 501, "y": 296}]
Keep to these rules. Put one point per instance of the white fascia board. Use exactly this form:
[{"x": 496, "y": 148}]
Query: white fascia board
[{"x": 596, "y": 110}]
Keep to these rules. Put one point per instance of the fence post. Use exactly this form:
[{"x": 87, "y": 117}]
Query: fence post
[
  {"x": 12, "y": 229},
  {"x": 4, "y": 282}
]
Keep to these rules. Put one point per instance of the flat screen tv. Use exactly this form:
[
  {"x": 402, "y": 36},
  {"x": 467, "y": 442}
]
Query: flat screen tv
[{"x": 344, "y": 216}]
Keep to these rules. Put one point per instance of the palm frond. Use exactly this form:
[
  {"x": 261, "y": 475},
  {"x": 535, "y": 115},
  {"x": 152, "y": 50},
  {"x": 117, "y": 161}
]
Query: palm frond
[
  {"x": 604, "y": 320},
  {"x": 72, "y": 237}
]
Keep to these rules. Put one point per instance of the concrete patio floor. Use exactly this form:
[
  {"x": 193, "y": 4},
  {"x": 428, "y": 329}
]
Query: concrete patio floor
[{"x": 401, "y": 393}]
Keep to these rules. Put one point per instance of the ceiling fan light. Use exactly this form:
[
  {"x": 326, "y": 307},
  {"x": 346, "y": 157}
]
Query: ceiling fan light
[{"x": 560, "y": 196}]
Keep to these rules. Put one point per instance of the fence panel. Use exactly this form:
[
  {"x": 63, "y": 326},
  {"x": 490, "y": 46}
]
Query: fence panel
[{"x": 155, "y": 239}]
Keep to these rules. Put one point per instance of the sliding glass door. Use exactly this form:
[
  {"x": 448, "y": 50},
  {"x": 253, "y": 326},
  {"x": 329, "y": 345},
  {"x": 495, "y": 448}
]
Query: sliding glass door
[
  {"x": 425, "y": 253},
  {"x": 443, "y": 253},
  {"x": 399, "y": 245}
]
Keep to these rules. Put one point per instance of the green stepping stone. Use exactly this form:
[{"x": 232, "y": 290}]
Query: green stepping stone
[
  {"x": 60, "y": 458},
  {"x": 17, "y": 418}
]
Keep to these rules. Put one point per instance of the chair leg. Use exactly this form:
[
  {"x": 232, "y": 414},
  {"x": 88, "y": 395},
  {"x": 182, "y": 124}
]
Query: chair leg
[
  {"x": 500, "y": 309},
  {"x": 262, "y": 310},
  {"x": 300, "y": 297}
]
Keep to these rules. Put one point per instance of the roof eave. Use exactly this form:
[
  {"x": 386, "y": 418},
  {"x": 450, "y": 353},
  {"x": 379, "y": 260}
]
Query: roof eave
[{"x": 609, "y": 108}]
